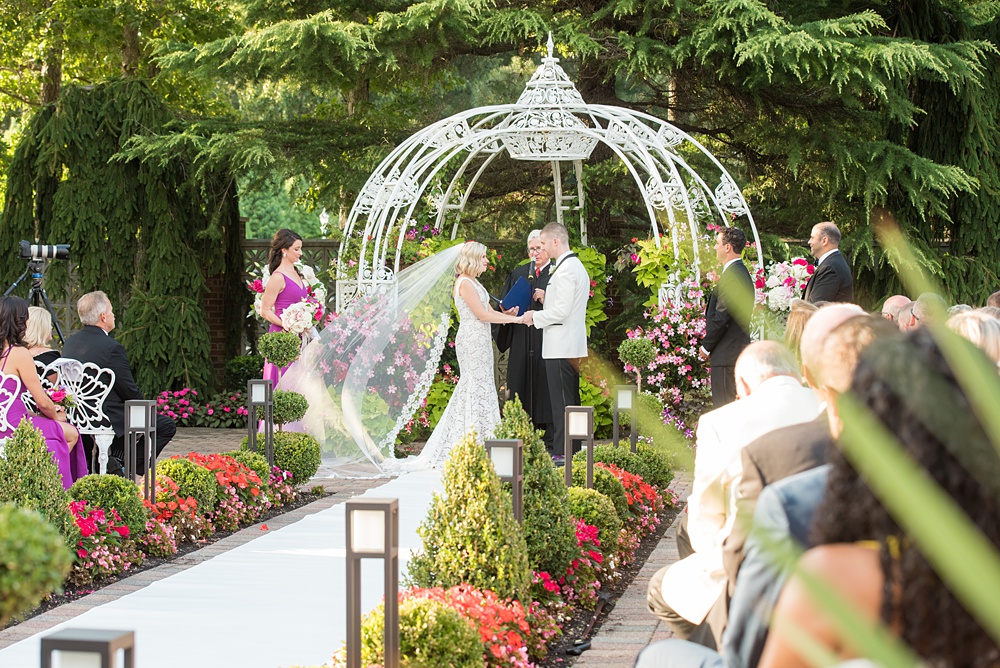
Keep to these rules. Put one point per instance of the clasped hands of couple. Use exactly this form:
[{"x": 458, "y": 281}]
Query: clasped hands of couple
[{"x": 527, "y": 318}]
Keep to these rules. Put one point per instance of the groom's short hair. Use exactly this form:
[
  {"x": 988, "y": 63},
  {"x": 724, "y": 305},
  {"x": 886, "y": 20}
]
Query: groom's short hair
[{"x": 556, "y": 231}]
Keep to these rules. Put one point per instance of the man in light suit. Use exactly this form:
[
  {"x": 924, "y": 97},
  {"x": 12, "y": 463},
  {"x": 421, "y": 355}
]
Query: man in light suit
[
  {"x": 832, "y": 280},
  {"x": 727, "y": 318},
  {"x": 564, "y": 323},
  {"x": 771, "y": 396},
  {"x": 94, "y": 344}
]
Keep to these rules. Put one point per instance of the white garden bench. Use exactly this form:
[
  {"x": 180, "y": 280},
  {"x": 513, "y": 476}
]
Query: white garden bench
[
  {"x": 9, "y": 385},
  {"x": 89, "y": 385}
]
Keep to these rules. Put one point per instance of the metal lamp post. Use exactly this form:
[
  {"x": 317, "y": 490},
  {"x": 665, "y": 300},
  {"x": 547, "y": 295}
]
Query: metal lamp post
[
  {"x": 579, "y": 426},
  {"x": 507, "y": 456},
  {"x": 89, "y": 648},
  {"x": 260, "y": 394},
  {"x": 372, "y": 531},
  {"x": 140, "y": 420},
  {"x": 624, "y": 398}
]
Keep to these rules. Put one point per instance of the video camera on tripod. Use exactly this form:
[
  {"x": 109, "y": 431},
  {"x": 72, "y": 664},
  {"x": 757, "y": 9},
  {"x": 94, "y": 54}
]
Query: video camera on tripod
[{"x": 36, "y": 254}]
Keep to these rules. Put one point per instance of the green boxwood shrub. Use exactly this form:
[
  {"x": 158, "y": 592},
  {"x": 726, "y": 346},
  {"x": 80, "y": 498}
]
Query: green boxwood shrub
[
  {"x": 30, "y": 479},
  {"x": 254, "y": 461},
  {"x": 431, "y": 635},
  {"x": 289, "y": 407},
  {"x": 596, "y": 510},
  {"x": 294, "y": 452},
  {"x": 469, "y": 534},
  {"x": 280, "y": 348},
  {"x": 605, "y": 482},
  {"x": 113, "y": 492},
  {"x": 241, "y": 369},
  {"x": 548, "y": 527},
  {"x": 34, "y": 560},
  {"x": 192, "y": 480},
  {"x": 650, "y": 410},
  {"x": 647, "y": 463}
]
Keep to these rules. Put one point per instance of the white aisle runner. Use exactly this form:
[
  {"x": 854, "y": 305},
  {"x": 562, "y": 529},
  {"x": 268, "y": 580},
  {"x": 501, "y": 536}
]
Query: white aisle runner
[{"x": 278, "y": 600}]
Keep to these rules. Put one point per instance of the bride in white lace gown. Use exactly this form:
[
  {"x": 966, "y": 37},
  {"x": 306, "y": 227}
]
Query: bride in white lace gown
[{"x": 474, "y": 404}]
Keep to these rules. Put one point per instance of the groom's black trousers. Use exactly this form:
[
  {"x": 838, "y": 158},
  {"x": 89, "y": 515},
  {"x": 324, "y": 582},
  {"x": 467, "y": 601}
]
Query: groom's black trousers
[{"x": 564, "y": 390}]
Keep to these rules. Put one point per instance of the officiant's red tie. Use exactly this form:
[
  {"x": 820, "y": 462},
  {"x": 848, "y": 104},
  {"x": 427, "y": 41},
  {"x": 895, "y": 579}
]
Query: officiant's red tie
[{"x": 538, "y": 272}]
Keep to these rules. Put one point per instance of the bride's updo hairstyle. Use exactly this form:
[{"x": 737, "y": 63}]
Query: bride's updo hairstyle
[
  {"x": 283, "y": 239},
  {"x": 470, "y": 259}
]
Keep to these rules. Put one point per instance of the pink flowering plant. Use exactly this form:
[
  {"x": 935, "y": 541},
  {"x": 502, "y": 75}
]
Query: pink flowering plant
[
  {"x": 677, "y": 374},
  {"x": 580, "y": 584},
  {"x": 159, "y": 540},
  {"x": 180, "y": 405},
  {"x": 104, "y": 547},
  {"x": 189, "y": 409}
]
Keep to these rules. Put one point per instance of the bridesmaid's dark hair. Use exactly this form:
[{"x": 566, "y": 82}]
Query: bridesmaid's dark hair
[
  {"x": 283, "y": 238},
  {"x": 13, "y": 321}
]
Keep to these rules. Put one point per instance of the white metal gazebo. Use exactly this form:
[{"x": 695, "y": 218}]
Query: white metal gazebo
[{"x": 440, "y": 165}]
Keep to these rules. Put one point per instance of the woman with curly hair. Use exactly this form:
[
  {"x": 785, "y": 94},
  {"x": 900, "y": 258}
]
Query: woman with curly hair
[{"x": 862, "y": 551}]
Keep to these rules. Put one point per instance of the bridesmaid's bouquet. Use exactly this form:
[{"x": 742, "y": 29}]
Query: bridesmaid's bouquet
[
  {"x": 314, "y": 287},
  {"x": 61, "y": 397},
  {"x": 301, "y": 316}
]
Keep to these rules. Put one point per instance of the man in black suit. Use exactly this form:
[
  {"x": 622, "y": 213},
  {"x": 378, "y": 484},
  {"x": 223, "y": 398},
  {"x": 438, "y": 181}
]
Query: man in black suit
[
  {"x": 525, "y": 367},
  {"x": 94, "y": 344},
  {"x": 727, "y": 318},
  {"x": 832, "y": 280}
]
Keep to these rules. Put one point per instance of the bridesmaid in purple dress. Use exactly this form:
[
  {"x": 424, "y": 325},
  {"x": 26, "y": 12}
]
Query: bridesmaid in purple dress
[
  {"x": 61, "y": 437},
  {"x": 285, "y": 287}
]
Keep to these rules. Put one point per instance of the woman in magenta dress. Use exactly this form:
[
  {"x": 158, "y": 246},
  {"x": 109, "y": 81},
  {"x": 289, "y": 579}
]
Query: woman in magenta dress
[
  {"x": 16, "y": 363},
  {"x": 285, "y": 287}
]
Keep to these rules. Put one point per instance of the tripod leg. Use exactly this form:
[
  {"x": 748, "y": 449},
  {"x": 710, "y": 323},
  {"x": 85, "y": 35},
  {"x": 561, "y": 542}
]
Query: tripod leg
[{"x": 48, "y": 305}]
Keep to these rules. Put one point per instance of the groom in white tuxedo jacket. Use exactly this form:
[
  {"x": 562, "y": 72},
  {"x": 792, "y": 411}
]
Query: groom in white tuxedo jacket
[{"x": 563, "y": 319}]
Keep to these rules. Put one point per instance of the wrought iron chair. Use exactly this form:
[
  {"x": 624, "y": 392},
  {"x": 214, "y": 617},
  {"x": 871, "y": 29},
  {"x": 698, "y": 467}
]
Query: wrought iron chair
[{"x": 9, "y": 385}]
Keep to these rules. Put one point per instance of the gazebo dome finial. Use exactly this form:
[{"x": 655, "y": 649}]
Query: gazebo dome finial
[{"x": 549, "y": 86}]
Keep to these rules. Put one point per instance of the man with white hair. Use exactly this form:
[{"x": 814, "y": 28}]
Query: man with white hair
[
  {"x": 771, "y": 396},
  {"x": 892, "y": 306},
  {"x": 94, "y": 344},
  {"x": 526, "y": 377}
]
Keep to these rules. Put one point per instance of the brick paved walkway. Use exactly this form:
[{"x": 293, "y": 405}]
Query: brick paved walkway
[{"x": 630, "y": 626}]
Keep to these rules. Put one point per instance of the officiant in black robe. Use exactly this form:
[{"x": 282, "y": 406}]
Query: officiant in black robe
[{"x": 525, "y": 368}]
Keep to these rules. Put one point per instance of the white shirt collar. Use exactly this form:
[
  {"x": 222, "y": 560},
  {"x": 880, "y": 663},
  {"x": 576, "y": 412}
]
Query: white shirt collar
[
  {"x": 825, "y": 255},
  {"x": 561, "y": 257},
  {"x": 726, "y": 265},
  {"x": 542, "y": 266}
]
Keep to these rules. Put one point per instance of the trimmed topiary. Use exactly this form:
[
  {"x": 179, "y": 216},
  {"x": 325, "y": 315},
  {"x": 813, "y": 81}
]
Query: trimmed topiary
[
  {"x": 596, "y": 510},
  {"x": 280, "y": 348},
  {"x": 192, "y": 480},
  {"x": 431, "y": 635},
  {"x": 253, "y": 461},
  {"x": 605, "y": 482},
  {"x": 294, "y": 452},
  {"x": 469, "y": 534},
  {"x": 637, "y": 353},
  {"x": 34, "y": 560},
  {"x": 288, "y": 407},
  {"x": 30, "y": 479},
  {"x": 549, "y": 530},
  {"x": 111, "y": 491}
]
